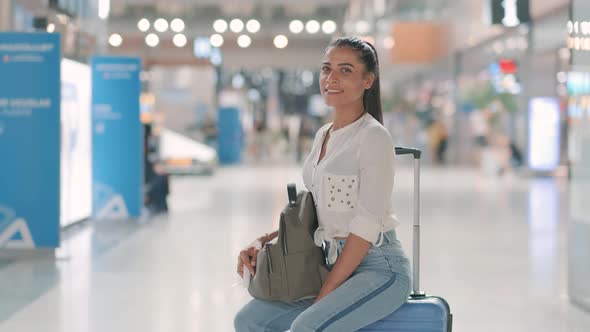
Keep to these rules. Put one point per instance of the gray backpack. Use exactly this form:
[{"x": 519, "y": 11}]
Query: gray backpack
[{"x": 292, "y": 268}]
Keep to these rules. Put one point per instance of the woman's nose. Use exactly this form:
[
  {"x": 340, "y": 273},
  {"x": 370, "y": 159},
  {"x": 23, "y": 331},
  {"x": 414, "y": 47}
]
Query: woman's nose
[{"x": 332, "y": 78}]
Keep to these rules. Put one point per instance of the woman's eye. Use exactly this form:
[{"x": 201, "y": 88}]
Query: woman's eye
[
  {"x": 346, "y": 70},
  {"x": 325, "y": 69}
]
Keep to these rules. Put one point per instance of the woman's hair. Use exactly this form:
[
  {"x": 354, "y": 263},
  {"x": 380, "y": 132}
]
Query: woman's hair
[{"x": 367, "y": 55}]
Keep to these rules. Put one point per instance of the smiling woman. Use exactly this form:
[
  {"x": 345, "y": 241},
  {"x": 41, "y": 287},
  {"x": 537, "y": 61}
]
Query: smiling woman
[
  {"x": 349, "y": 172},
  {"x": 350, "y": 77}
]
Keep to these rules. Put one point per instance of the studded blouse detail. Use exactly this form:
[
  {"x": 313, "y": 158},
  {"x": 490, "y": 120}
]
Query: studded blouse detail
[{"x": 352, "y": 185}]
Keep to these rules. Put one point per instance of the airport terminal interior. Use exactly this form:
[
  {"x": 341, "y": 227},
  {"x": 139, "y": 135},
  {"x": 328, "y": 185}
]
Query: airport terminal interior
[{"x": 146, "y": 143}]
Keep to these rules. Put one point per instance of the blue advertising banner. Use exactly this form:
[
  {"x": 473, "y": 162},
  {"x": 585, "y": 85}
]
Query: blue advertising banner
[
  {"x": 29, "y": 140},
  {"x": 229, "y": 135},
  {"x": 117, "y": 149}
]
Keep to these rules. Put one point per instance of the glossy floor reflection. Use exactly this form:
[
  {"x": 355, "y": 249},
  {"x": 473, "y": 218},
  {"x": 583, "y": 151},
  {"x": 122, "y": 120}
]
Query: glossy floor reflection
[{"x": 495, "y": 248}]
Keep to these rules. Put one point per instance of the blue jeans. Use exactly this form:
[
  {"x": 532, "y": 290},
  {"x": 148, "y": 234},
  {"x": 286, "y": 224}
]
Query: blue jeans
[{"x": 379, "y": 286}]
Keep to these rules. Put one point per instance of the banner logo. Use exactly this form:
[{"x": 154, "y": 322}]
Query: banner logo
[{"x": 14, "y": 232}]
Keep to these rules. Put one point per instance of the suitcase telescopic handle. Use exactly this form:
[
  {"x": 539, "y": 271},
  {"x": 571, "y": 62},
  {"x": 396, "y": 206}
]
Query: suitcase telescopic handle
[
  {"x": 416, "y": 227},
  {"x": 415, "y": 152}
]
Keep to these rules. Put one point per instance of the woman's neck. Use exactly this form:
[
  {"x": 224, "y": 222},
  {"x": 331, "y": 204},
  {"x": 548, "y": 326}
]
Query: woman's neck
[{"x": 343, "y": 116}]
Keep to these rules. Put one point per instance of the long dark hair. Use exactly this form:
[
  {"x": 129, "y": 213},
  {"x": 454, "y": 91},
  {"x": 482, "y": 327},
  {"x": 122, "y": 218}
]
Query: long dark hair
[{"x": 368, "y": 55}]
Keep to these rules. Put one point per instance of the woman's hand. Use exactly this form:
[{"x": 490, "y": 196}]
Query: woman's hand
[{"x": 247, "y": 258}]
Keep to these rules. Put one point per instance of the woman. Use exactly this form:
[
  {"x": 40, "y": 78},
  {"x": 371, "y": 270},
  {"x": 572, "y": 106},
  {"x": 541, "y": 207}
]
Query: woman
[{"x": 350, "y": 174}]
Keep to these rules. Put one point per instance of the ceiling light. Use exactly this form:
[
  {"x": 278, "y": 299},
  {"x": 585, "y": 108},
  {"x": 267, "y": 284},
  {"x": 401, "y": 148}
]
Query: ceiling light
[
  {"x": 368, "y": 39},
  {"x": 296, "y": 26},
  {"x": 362, "y": 27},
  {"x": 161, "y": 25},
  {"x": 312, "y": 26},
  {"x": 216, "y": 40},
  {"x": 329, "y": 27},
  {"x": 236, "y": 25},
  {"x": 307, "y": 78},
  {"x": 564, "y": 53},
  {"x": 244, "y": 41},
  {"x": 50, "y": 27},
  {"x": 220, "y": 26},
  {"x": 388, "y": 42},
  {"x": 115, "y": 40},
  {"x": 253, "y": 26},
  {"x": 152, "y": 40},
  {"x": 177, "y": 25},
  {"x": 215, "y": 56},
  {"x": 104, "y": 9},
  {"x": 238, "y": 81},
  {"x": 179, "y": 40},
  {"x": 201, "y": 47},
  {"x": 281, "y": 41},
  {"x": 143, "y": 25}
]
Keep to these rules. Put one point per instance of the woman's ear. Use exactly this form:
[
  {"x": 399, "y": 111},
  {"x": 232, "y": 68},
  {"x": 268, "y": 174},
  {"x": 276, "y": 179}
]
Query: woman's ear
[{"x": 369, "y": 79}]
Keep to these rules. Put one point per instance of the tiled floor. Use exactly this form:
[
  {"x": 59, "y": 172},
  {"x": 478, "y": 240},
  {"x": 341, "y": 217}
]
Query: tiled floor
[{"x": 495, "y": 248}]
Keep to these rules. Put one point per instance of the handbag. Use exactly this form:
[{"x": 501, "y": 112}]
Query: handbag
[{"x": 293, "y": 268}]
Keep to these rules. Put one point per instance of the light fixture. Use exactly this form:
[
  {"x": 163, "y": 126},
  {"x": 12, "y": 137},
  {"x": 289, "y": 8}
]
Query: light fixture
[
  {"x": 220, "y": 26},
  {"x": 152, "y": 40},
  {"x": 161, "y": 25},
  {"x": 312, "y": 26},
  {"x": 296, "y": 26},
  {"x": 201, "y": 47},
  {"x": 307, "y": 78},
  {"x": 115, "y": 40},
  {"x": 253, "y": 26},
  {"x": 281, "y": 41},
  {"x": 216, "y": 40},
  {"x": 368, "y": 39},
  {"x": 143, "y": 25},
  {"x": 388, "y": 42},
  {"x": 564, "y": 53},
  {"x": 179, "y": 40},
  {"x": 238, "y": 81},
  {"x": 244, "y": 41},
  {"x": 50, "y": 27},
  {"x": 362, "y": 27},
  {"x": 329, "y": 27},
  {"x": 177, "y": 25},
  {"x": 104, "y": 9},
  {"x": 215, "y": 56},
  {"x": 236, "y": 25}
]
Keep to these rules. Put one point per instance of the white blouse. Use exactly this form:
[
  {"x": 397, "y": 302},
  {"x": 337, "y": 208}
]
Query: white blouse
[{"x": 352, "y": 185}]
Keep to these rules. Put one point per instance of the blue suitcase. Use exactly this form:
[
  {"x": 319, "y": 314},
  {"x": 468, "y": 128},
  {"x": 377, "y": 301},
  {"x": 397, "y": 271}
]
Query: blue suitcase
[{"x": 421, "y": 313}]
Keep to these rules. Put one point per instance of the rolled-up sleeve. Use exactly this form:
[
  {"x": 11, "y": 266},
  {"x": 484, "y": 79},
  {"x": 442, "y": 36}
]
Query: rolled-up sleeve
[{"x": 375, "y": 184}]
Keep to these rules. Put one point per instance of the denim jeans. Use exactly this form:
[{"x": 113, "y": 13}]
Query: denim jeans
[{"x": 379, "y": 286}]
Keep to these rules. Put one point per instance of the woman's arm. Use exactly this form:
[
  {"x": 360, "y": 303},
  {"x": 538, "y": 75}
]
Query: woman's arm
[
  {"x": 268, "y": 237},
  {"x": 352, "y": 255}
]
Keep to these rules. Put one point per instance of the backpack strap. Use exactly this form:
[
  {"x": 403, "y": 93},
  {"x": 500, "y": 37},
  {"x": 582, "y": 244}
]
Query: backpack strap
[{"x": 292, "y": 192}]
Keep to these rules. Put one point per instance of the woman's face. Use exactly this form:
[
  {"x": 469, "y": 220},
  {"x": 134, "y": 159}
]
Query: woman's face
[{"x": 343, "y": 77}]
